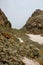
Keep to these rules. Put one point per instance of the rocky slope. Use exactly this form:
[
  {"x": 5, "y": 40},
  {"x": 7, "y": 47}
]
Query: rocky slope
[
  {"x": 35, "y": 23},
  {"x": 15, "y": 44}
]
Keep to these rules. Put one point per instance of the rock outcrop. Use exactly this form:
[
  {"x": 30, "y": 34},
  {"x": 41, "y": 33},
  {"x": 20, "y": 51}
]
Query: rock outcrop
[
  {"x": 3, "y": 20},
  {"x": 35, "y": 23}
]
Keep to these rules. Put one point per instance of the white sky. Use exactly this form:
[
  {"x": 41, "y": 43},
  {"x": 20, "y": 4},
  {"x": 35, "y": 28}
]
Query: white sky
[{"x": 18, "y": 11}]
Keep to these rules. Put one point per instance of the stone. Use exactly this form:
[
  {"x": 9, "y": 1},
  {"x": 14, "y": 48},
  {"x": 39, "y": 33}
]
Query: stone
[{"x": 7, "y": 35}]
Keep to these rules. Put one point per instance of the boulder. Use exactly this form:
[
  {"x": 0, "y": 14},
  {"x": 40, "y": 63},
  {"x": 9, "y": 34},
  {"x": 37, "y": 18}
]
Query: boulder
[{"x": 7, "y": 35}]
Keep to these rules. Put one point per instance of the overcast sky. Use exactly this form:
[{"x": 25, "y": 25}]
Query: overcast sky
[{"x": 18, "y": 11}]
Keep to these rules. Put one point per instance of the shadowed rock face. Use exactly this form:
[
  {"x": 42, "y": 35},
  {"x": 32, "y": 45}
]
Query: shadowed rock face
[
  {"x": 3, "y": 20},
  {"x": 35, "y": 23}
]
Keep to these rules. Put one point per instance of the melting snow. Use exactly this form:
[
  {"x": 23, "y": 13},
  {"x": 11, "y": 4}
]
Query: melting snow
[
  {"x": 20, "y": 39},
  {"x": 29, "y": 61},
  {"x": 36, "y": 38}
]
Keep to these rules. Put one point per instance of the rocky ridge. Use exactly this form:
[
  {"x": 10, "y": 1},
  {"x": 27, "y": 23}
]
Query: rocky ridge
[{"x": 35, "y": 23}]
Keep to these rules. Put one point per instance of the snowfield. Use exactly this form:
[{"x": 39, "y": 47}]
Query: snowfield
[{"x": 36, "y": 38}]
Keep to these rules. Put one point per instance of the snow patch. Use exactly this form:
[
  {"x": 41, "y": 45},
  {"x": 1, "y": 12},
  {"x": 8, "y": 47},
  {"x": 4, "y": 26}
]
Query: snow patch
[
  {"x": 20, "y": 40},
  {"x": 29, "y": 61},
  {"x": 36, "y": 38}
]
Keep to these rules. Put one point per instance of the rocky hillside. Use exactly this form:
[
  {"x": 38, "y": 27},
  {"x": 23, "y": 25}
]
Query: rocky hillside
[
  {"x": 15, "y": 44},
  {"x": 35, "y": 23},
  {"x": 3, "y": 20}
]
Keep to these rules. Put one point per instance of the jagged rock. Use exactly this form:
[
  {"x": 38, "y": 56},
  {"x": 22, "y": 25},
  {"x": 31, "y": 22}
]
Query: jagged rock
[
  {"x": 37, "y": 12},
  {"x": 35, "y": 23},
  {"x": 3, "y": 20},
  {"x": 3, "y": 15}
]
